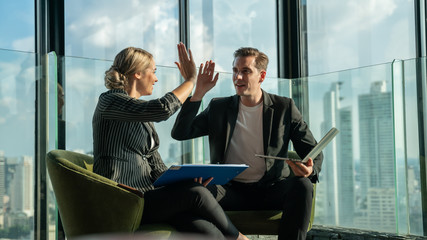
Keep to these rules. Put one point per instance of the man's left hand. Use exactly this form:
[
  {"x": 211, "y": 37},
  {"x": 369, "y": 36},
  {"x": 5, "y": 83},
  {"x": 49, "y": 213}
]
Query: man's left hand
[{"x": 301, "y": 169}]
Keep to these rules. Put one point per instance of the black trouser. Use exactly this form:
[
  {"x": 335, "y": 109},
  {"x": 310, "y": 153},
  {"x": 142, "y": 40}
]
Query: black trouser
[
  {"x": 189, "y": 207},
  {"x": 293, "y": 196}
]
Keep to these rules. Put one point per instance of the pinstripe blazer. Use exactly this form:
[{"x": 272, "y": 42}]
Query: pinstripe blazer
[{"x": 122, "y": 131}]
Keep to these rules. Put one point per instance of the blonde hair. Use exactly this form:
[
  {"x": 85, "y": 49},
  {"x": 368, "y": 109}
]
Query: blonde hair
[
  {"x": 261, "y": 59},
  {"x": 126, "y": 63}
]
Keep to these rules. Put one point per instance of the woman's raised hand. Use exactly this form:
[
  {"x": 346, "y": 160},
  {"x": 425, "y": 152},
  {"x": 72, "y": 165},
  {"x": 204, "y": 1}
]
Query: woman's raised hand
[
  {"x": 205, "y": 80},
  {"x": 186, "y": 64}
]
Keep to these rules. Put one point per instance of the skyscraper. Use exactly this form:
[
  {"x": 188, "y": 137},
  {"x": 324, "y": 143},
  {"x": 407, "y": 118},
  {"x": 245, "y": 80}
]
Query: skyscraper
[
  {"x": 377, "y": 155},
  {"x": 337, "y": 185},
  {"x": 20, "y": 184},
  {"x": 2, "y": 180}
]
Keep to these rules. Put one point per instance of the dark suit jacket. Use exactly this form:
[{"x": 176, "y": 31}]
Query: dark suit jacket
[{"x": 281, "y": 122}]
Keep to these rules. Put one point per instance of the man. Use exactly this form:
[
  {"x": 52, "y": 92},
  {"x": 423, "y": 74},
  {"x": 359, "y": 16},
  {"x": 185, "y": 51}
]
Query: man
[{"x": 255, "y": 122}]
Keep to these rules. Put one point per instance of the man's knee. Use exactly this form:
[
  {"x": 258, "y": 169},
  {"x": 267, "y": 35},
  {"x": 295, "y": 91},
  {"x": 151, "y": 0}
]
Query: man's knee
[{"x": 301, "y": 185}]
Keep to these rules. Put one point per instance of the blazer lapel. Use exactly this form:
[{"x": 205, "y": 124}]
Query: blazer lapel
[
  {"x": 232, "y": 111},
  {"x": 267, "y": 120}
]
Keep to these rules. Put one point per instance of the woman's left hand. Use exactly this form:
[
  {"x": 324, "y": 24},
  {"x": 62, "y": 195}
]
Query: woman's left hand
[{"x": 205, "y": 183}]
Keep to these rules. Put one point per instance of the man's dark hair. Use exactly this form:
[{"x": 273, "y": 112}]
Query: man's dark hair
[{"x": 261, "y": 60}]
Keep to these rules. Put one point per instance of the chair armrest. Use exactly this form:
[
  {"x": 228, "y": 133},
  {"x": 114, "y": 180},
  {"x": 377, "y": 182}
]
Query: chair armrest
[{"x": 89, "y": 203}]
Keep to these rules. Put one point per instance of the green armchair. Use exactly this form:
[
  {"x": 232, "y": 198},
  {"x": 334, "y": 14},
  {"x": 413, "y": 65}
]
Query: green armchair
[{"x": 89, "y": 203}]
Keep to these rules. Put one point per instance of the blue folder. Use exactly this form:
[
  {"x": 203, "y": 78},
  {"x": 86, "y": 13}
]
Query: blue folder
[{"x": 221, "y": 173}]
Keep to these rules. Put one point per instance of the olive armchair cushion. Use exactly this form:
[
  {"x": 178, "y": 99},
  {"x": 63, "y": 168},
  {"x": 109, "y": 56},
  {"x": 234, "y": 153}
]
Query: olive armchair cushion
[{"x": 87, "y": 202}]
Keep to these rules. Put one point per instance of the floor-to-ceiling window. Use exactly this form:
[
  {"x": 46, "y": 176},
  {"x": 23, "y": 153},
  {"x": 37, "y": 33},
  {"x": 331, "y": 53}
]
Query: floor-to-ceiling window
[
  {"x": 340, "y": 35},
  {"x": 217, "y": 29},
  {"x": 18, "y": 27},
  {"x": 358, "y": 187},
  {"x": 100, "y": 31},
  {"x": 17, "y": 117},
  {"x": 94, "y": 34},
  {"x": 355, "y": 33}
]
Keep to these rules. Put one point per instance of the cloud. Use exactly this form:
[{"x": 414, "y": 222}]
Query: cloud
[
  {"x": 6, "y": 101},
  {"x": 363, "y": 14},
  {"x": 355, "y": 15},
  {"x": 24, "y": 43},
  {"x": 9, "y": 68},
  {"x": 83, "y": 80},
  {"x": 202, "y": 50},
  {"x": 104, "y": 35},
  {"x": 101, "y": 31},
  {"x": 355, "y": 33},
  {"x": 233, "y": 25}
]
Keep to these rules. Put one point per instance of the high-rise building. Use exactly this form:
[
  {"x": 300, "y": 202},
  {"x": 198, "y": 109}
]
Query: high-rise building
[
  {"x": 2, "y": 180},
  {"x": 20, "y": 184},
  {"x": 26, "y": 170},
  {"x": 335, "y": 198},
  {"x": 377, "y": 154},
  {"x": 346, "y": 186}
]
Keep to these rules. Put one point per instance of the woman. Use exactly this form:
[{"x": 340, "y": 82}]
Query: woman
[{"x": 126, "y": 143}]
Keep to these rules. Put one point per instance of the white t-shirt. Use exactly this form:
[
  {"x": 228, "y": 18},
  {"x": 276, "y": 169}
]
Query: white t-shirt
[{"x": 246, "y": 141}]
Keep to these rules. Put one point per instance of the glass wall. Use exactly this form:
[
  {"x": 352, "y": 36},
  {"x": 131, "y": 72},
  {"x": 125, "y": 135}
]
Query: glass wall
[
  {"x": 355, "y": 33},
  {"x": 370, "y": 176},
  {"x": 17, "y": 127},
  {"x": 359, "y": 104},
  {"x": 414, "y": 76},
  {"x": 100, "y": 31},
  {"x": 18, "y": 32},
  {"x": 17, "y": 119},
  {"x": 54, "y": 105},
  {"x": 218, "y": 28}
]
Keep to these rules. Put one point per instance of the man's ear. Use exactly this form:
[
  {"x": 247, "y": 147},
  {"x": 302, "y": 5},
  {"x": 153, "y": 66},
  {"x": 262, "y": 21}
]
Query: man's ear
[{"x": 263, "y": 73}]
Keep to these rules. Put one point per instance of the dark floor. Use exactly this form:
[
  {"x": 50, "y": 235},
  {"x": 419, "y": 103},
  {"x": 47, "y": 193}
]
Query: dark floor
[{"x": 319, "y": 232}]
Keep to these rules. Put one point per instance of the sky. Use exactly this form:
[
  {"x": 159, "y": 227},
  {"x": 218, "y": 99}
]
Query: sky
[
  {"x": 17, "y": 25},
  {"x": 341, "y": 35}
]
